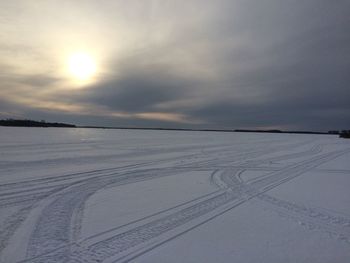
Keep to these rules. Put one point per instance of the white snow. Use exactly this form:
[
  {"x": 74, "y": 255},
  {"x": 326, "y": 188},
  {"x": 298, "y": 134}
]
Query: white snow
[
  {"x": 95, "y": 195},
  {"x": 250, "y": 233},
  {"x": 120, "y": 205}
]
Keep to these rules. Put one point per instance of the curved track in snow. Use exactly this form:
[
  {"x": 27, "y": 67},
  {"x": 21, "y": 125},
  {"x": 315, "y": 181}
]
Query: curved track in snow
[
  {"x": 135, "y": 237},
  {"x": 57, "y": 203}
]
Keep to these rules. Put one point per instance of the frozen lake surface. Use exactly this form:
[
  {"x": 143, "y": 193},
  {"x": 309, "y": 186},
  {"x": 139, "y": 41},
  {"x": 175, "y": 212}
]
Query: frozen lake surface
[{"x": 94, "y": 195}]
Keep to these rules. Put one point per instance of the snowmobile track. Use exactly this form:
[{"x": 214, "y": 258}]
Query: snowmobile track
[{"x": 120, "y": 242}]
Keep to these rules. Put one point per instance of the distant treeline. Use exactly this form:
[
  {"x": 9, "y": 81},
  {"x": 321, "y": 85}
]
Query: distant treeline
[
  {"x": 342, "y": 134},
  {"x": 345, "y": 134},
  {"x": 279, "y": 131},
  {"x": 210, "y": 130},
  {"x": 31, "y": 123}
]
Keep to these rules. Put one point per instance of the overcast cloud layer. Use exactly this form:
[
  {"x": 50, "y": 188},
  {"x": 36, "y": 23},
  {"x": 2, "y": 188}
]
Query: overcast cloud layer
[{"x": 192, "y": 64}]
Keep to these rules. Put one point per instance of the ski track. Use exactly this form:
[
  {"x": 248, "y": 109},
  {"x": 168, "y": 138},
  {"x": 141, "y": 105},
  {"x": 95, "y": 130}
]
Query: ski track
[{"x": 47, "y": 245}]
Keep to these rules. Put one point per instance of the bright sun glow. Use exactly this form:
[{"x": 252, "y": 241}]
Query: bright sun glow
[{"x": 81, "y": 66}]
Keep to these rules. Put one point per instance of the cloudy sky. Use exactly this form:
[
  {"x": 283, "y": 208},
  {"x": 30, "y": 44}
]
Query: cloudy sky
[{"x": 192, "y": 64}]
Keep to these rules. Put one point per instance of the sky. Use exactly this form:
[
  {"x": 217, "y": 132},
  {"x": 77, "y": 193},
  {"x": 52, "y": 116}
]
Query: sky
[{"x": 224, "y": 64}]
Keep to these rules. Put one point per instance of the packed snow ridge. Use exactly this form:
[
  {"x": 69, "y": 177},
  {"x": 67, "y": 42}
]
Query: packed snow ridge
[{"x": 92, "y": 195}]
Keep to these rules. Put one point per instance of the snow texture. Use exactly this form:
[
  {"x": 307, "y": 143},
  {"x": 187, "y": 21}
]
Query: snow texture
[{"x": 94, "y": 195}]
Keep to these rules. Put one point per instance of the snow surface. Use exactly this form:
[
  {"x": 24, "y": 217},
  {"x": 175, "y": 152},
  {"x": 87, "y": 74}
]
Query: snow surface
[{"x": 95, "y": 195}]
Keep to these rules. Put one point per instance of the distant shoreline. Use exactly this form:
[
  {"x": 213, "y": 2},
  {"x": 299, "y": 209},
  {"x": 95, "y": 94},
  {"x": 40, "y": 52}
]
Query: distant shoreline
[
  {"x": 31, "y": 123},
  {"x": 44, "y": 124},
  {"x": 206, "y": 130}
]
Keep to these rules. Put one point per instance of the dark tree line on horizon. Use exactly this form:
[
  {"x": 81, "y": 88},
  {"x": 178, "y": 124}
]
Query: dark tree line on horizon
[
  {"x": 43, "y": 123},
  {"x": 31, "y": 123}
]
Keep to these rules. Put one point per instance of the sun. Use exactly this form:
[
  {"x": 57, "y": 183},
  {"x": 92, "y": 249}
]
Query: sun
[{"x": 82, "y": 66}]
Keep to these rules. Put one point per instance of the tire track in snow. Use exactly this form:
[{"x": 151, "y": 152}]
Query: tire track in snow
[
  {"x": 54, "y": 227},
  {"x": 18, "y": 189},
  {"x": 314, "y": 150},
  {"x": 16, "y": 193},
  {"x": 11, "y": 223},
  {"x": 312, "y": 218},
  {"x": 93, "y": 158},
  {"x": 126, "y": 241},
  {"x": 334, "y": 171},
  {"x": 47, "y": 235},
  {"x": 73, "y": 214},
  {"x": 18, "y": 197},
  {"x": 251, "y": 154}
]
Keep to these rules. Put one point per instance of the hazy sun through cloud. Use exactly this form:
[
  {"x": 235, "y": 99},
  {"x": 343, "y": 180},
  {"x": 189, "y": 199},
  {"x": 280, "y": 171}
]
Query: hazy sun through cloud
[
  {"x": 82, "y": 67},
  {"x": 225, "y": 64}
]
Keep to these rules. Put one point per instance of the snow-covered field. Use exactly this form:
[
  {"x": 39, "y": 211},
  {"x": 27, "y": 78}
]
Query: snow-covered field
[{"x": 94, "y": 195}]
